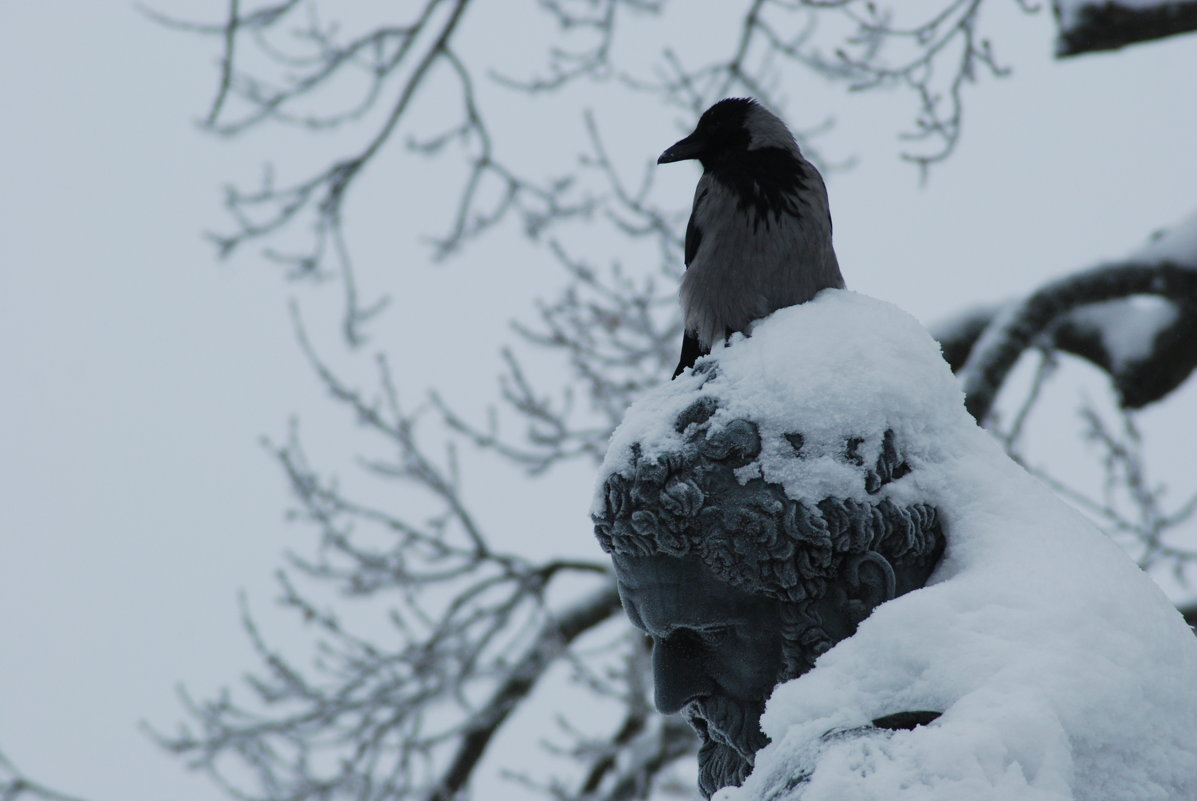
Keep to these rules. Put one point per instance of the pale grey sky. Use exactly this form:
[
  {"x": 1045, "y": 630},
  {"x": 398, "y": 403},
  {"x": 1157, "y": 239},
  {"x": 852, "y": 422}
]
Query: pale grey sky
[{"x": 139, "y": 373}]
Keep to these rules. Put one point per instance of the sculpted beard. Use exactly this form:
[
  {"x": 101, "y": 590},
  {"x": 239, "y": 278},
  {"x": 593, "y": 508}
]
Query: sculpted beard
[{"x": 731, "y": 736}]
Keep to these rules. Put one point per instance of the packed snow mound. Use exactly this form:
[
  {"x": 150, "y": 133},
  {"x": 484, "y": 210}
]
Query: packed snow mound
[
  {"x": 841, "y": 365},
  {"x": 1060, "y": 669}
]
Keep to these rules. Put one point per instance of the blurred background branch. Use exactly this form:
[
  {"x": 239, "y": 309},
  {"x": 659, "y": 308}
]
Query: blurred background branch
[{"x": 428, "y": 629}]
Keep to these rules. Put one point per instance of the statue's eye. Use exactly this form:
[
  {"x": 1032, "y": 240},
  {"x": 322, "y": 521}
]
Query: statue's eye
[
  {"x": 685, "y": 643},
  {"x": 693, "y": 643},
  {"x": 714, "y": 636}
]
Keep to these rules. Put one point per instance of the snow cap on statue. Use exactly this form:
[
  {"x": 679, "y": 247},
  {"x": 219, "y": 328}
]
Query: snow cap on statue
[
  {"x": 1059, "y": 668},
  {"x": 784, "y": 454}
]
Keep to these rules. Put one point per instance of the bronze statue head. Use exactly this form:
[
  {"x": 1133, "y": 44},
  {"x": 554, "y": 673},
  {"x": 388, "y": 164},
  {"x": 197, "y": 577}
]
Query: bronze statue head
[{"x": 741, "y": 586}]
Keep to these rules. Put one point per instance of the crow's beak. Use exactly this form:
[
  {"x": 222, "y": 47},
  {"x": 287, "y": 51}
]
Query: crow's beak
[{"x": 689, "y": 148}]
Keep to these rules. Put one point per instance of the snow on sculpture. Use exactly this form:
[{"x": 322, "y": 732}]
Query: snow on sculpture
[{"x": 1036, "y": 662}]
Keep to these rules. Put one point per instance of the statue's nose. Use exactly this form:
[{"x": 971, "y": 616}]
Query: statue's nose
[{"x": 679, "y": 672}]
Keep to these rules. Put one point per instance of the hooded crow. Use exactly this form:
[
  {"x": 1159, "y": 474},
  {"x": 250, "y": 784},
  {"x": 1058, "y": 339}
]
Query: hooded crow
[{"x": 759, "y": 236}]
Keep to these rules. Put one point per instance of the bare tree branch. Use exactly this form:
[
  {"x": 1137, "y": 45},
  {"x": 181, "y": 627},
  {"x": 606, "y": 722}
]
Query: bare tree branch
[
  {"x": 556, "y": 634},
  {"x": 15, "y": 786}
]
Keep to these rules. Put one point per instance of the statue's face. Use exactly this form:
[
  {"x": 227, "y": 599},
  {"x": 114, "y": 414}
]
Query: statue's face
[{"x": 717, "y": 654}]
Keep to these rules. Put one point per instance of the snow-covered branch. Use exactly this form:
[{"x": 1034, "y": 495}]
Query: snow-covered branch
[
  {"x": 1098, "y": 314},
  {"x": 1087, "y": 26}
]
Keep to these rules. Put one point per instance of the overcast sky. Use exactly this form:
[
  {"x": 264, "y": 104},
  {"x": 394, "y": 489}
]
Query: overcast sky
[{"x": 139, "y": 373}]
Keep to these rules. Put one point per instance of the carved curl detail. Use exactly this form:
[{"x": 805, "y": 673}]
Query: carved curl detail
[{"x": 751, "y": 534}]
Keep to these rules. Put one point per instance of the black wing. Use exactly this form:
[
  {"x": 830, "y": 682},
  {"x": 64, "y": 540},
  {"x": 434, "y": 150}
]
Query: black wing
[
  {"x": 691, "y": 350},
  {"x": 693, "y": 233}
]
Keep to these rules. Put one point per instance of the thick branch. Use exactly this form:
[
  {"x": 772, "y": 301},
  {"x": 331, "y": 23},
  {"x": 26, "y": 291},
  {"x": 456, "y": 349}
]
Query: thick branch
[
  {"x": 1089, "y": 26},
  {"x": 1022, "y": 325},
  {"x": 1088, "y": 332},
  {"x": 549, "y": 643}
]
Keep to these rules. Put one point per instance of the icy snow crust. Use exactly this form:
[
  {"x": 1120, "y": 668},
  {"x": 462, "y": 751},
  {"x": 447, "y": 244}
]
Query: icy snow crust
[{"x": 1061, "y": 670}]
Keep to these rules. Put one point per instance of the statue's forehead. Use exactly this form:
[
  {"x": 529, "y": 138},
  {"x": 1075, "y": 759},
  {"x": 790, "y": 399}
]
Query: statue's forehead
[
  {"x": 662, "y": 593},
  {"x": 657, "y": 570}
]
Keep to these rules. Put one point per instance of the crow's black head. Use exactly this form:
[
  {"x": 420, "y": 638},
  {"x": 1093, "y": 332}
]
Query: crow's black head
[{"x": 728, "y": 129}]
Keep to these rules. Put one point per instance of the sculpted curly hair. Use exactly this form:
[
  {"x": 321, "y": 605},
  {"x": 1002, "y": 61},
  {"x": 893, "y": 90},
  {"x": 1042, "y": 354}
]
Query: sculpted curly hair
[{"x": 752, "y": 534}]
